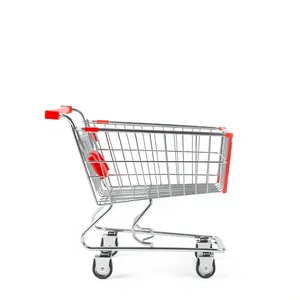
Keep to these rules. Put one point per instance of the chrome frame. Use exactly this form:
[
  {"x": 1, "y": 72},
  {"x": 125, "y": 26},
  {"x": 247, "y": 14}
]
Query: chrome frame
[
  {"x": 143, "y": 162},
  {"x": 106, "y": 194}
]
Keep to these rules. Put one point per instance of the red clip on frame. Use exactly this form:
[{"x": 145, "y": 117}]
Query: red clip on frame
[
  {"x": 91, "y": 129},
  {"x": 102, "y": 122},
  {"x": 229, "y": 136}
]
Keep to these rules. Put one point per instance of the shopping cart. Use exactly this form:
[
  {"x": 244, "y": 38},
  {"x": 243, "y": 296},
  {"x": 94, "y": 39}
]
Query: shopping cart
[{"x": 126, "y": 161}]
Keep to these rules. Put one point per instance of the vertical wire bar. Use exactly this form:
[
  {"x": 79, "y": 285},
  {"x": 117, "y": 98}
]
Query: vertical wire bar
[
  {"x": 195, "y": 153},
  {"x": 114, "y": 156},
  {"x": 176, "y": 156},
  {"x": 183, "y": 163},
  {"x": 147, "y": 157},
  {"x": 208, "y": 160},
  {"x": 114, "y": 164},
  {"x": 197, "y": 163},
  {"x": 158, "y": 163},
  {"x": 154, "y": 165},
  {"x": 137, "y": 177},
  {"x": 223, "y": 165},
  {"x": 166, "y": 152},
  {"x": 138, "y": 149},
  {"x": 220, "y": 160},
  {"x": 199, "y": 166},
  {"x": 126, "y": 166},
  {"x": 192, "y": 157}
]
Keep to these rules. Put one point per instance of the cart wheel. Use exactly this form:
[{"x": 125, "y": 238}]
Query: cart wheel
[
  {"x": 207, "y": 273},
  {"x": 116, "y": 244},
  {"x": 103, "y": 276},
  {"x": 197, "y": 252}
]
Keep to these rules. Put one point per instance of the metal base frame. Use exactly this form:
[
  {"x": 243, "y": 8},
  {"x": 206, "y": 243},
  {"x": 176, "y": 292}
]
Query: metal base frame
[{"x": 205, "y": 248}]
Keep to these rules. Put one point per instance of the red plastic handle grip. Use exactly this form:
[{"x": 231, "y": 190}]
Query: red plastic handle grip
[{"x": 54, "y": 114}]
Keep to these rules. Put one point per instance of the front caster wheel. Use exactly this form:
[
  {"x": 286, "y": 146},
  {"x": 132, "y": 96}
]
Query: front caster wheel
[
  {"x": 205, "y": 267},
  {"x": 116, "y": 245},
  {"x": 102, "y": 271}
]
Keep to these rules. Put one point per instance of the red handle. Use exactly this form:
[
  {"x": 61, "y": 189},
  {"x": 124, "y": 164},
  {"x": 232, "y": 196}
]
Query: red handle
[{"x": 54, "y": 114}]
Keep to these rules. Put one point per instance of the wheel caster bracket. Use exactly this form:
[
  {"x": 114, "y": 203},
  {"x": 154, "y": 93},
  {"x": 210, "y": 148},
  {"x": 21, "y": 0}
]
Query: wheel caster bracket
[
  {"x": 102, "y": 265},
  {"x": 204, "y": 243},
  {"x": 110, "y": 240},
  {"x": 206, "y": 264}
]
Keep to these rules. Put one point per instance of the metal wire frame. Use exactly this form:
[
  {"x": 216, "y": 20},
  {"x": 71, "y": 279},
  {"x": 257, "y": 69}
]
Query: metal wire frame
[
  {"x": 149, "y": 161},
  {"x": 157, "y": 161}
]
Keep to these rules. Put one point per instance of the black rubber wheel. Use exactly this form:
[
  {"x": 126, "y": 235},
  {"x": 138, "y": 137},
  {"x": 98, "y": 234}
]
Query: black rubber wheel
[
  {"x": 117, "y": 244},
  {"x": 205, "y": 275},
  {"x": 197, "y": 252},
  {"x": 102, "y": 276}
]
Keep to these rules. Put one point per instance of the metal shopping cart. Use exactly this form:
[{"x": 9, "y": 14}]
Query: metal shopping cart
[{"x": 126, "y": 161}]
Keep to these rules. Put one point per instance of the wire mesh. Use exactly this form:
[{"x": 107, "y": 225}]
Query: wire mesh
[{"x": 155, "y": 161}]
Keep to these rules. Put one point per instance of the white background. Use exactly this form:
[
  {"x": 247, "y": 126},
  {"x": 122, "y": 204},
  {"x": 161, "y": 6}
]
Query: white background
[{"x": 220, "y": 63}]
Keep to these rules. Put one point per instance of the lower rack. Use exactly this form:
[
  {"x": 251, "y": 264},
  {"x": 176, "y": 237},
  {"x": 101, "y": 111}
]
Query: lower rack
[{"x": 205, "y": 248}]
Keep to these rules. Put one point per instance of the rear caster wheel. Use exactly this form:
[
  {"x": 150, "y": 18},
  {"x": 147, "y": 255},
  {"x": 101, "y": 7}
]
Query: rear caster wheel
[
  {"x": 116, "y": 245},
  {"x": 102, "y": 272},
  {"x": 205, "y": 267}
]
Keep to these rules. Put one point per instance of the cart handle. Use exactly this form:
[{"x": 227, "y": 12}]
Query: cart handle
[{"x": 54, "y": 114}]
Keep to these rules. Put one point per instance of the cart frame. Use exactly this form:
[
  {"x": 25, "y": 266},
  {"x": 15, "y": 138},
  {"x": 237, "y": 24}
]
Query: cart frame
[{"x": 206, "y": 245}]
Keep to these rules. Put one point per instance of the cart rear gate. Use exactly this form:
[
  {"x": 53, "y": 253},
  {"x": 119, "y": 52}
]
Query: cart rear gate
[{"x": 127, "y": 161}]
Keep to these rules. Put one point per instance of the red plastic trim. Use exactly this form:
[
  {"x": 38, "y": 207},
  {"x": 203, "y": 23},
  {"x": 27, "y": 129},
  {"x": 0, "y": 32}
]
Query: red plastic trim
[
  {"x": 102, "y": 121},
  {"x": 54, "y": 114},
  {"x": 100, "y": 167},
  {"x": 68, "y": 106},
  {"x": 91, "y": 129},
  {"x": 229, "y": 136},
  {"x": 224, "y": 129}
]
